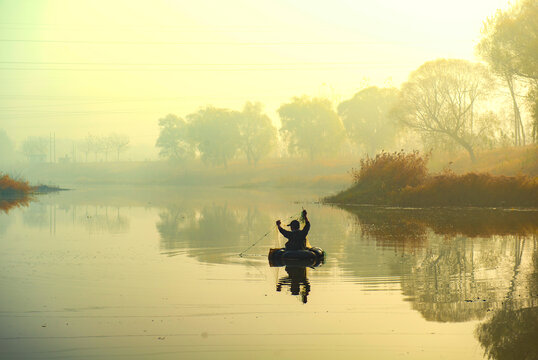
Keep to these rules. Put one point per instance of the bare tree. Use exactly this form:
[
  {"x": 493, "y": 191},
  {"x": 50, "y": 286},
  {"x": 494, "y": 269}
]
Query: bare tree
[
  {"x": 440, "y": 97},
  {"x": 87, "y": 145},
  {"x": 119, "y": 143}
]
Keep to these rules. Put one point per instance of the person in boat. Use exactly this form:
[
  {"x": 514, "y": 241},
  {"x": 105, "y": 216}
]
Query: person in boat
[{"x": 296, "y": 237}]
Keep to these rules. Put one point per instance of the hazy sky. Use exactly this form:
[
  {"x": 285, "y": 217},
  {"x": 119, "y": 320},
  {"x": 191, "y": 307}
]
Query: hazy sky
[{"x": 75, "y": 67}]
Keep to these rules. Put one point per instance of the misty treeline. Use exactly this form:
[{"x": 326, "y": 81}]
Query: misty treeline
[
  {"x": 106, "y": 146},
  {"x": 451, "y": 104},
  {"x": 50, "y": 149}
]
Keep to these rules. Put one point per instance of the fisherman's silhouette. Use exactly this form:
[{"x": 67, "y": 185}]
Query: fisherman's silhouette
[
  {"x": 296, "y": 277},
  {"x": 296, "y": 237}
]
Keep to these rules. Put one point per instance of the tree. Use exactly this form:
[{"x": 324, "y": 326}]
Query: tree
[
  {"x": 119, "y": 143},
  {"x": 216, "y": 134},
  {"x": 35, "y": 148},
  {"x": 532, "y": 101},
  {"x": 258, "y": 135},
  {"x": 311, "y": 127},
  {"x": 105, "y": 145},
  {"x": 440, "y": 97},
  {"x": 366, "y": 118},
  {"x": 508, "y": 44},
  {"x": 173, "y": 139},
  {"x": 87, "y": 145}
]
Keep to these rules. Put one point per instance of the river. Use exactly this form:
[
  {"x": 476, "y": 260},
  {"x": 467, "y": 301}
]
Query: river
[{"x": 154, "y": 273}]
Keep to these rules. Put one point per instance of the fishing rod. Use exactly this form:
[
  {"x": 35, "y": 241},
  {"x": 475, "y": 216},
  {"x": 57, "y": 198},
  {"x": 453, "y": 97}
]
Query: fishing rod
[{"x": 242, "y": 253}]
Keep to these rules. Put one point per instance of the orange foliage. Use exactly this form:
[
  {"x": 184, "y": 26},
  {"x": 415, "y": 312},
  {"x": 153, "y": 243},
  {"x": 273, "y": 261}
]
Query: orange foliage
[
  {"x": 402, "y": 179},
  {"x": 396, "y": 170},
  {"x": 13, "y": 189},
  {"x": 6, "y": 205}
]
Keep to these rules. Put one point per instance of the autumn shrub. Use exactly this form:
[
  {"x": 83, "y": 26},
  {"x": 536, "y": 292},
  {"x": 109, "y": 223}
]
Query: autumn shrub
[
  {"x": 383, "y": 176},
  {"x": 402, "y": 179},
  {"x": 392, "y": 171},
  {"x": 12, "y": 189}
]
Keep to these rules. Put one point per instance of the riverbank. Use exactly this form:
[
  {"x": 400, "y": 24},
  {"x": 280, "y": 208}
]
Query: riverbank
[
  {"x": 402, "y": 179},
  {"x": 17, "y": 192}
]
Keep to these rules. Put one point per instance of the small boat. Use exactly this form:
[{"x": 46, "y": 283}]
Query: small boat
[{"x": 309, "y": 257}]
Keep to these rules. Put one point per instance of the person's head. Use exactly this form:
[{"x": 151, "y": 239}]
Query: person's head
[{"x": 294, "y": 225}]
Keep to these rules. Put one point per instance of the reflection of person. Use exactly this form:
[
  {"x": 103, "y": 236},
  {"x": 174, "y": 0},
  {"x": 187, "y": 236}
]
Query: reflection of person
[
  {"x": 296, "y": 277},
  {"x": 296, "y": 238}
]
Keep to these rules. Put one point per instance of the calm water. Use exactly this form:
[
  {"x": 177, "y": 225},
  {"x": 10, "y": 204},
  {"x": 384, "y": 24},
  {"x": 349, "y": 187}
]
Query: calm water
[{"x": 155, "y": 274}]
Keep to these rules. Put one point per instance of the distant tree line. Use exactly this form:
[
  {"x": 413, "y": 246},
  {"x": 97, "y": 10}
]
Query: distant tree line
[
  {"x": 447, "y": 102},
  {"x": 104, "y": 148},
  {"x": 310, "y": 127},
  {"x": 96, "y": 148},
  {"x": 217, "y": 135}
]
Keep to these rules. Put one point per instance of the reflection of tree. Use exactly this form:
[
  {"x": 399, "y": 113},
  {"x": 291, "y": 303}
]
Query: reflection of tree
[
  {"x": 407, "y": 228},
  {"x": 443, "y": 287},
  {"x": 5, "y": 221},
  {"x": 170, "y": 226},
  {"x": 214, "y": 227},
  {"x": 510, "y": 334},
  {"x": 112, "y": 223},
  {"x": 211, "y": 232},
  {"x": 453, "y": 280},
  {"x": 390, "y": 228},
  {"x": 297, "y": 281},
  {"x": 37, "y": 215},
  {"x": 449, "y": 278}
]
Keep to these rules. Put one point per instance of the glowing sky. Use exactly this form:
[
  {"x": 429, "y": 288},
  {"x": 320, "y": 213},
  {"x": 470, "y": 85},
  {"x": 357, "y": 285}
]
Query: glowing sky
[{"x": 95, "y": 66}]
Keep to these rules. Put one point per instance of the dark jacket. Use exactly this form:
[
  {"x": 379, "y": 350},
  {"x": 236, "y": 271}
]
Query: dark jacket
[{"x": 296, "y": 239}]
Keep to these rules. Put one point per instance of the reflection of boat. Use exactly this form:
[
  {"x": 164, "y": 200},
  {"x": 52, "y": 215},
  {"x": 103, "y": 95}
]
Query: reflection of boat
[{"x": 309, "y": 257}]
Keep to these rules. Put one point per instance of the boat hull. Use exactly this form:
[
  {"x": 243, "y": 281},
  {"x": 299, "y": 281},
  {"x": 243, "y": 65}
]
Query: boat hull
[{"x": 311, "y": 257}]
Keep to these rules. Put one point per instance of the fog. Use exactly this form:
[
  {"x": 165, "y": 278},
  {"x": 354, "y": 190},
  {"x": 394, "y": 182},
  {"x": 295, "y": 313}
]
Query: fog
[
  {"x": 154, "y": 153},
  {"x": 93, "y": 82}
]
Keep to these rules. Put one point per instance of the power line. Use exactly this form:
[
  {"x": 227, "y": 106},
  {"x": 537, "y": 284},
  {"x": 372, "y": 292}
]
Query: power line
[
  {"x": 218, "y": 43},
  {"x": 327, "y": 68},
  {"x": 106, "y": 99},
  {"x": 199, "y": 64},
  {"x": 133, "y": 26}
]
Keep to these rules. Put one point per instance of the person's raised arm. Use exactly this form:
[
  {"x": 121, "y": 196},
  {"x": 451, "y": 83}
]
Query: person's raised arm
[
  {"x": 307, "y": 223},
  {"x": 282, "y": 231}
]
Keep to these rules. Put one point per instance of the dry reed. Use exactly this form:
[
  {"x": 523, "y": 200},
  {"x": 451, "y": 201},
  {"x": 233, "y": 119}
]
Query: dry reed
[{"x": 402, "y": 179}]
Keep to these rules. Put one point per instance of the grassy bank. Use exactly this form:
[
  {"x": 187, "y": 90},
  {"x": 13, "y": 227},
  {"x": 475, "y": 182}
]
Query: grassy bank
[
  {"x": 510, "y": 161},
  {"x": 402, "y": 179}
]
